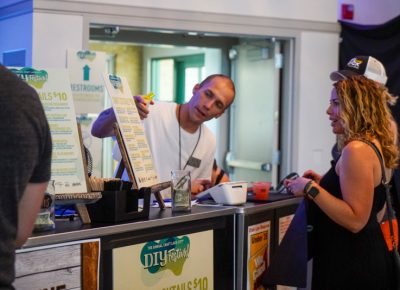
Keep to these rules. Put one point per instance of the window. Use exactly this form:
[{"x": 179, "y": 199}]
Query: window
[{"x": 172, "y": 79}]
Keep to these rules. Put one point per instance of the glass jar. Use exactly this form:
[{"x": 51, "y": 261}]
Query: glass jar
[
  {"x": 45, "y": 219},
  {"x": 181, "y": 191}
]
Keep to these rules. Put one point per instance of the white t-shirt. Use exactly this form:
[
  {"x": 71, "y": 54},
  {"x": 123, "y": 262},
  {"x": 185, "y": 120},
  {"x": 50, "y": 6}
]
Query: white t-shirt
[{"x": 162, "y": 132}]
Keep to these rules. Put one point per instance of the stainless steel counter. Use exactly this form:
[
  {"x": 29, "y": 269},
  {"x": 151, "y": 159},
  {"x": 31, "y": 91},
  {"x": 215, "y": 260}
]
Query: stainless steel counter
[
  {"x": 67, "y": 231},
  {"x": 253, "y": 207},
  {"x": 74, "y": 230},
  {"x": 164, "y": 220}
]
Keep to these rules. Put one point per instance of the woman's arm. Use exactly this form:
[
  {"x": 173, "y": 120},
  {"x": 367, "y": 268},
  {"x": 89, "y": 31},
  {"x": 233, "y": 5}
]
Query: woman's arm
[
  {"x": 357, "y": 182},
  {"x": 359, "y": 172}
]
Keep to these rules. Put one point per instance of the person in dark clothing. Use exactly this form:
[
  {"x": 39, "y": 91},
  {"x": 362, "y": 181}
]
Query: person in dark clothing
[
  {"x": 25, "y": 154},
  {"x": 347, "y": 202}
]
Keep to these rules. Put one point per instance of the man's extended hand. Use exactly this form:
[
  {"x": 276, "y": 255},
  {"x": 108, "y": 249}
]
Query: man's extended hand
[
  {"x": 199, "y": 185},
  {"x": 142, "y": 106}
]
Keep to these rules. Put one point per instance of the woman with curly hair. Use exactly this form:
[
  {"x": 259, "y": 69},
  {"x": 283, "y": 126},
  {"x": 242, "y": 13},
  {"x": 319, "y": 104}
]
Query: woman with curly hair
[{"x": 348, "y": 246}]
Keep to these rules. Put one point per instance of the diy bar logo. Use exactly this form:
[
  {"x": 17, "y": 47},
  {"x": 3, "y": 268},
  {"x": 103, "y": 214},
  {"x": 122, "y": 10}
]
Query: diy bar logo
[
  {"x": 169, "y": 253},
  {"x": 115, "y": 81},
  {"x": 86, "y": 55},
  {"x": 35, "y": 78}
]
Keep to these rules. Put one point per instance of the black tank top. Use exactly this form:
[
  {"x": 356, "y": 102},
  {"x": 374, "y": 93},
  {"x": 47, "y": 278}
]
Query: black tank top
[{"x": 346, "y": 260}]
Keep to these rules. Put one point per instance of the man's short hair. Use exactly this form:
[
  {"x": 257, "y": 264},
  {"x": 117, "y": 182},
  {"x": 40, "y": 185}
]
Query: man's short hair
[{"x": 213, "y": 76}]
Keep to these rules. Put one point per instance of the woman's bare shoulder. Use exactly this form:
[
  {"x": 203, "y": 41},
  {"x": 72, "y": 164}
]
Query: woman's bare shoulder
[{"x": 357, "y": 150}]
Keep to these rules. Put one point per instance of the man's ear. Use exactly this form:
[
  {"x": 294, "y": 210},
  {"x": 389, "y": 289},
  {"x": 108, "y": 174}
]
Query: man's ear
[{"x": 195, "y": 88}]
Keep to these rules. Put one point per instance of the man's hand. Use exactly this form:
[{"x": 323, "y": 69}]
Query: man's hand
[
  {"x": 199, "y": 185},
  {"x": 142, "y": 106}
]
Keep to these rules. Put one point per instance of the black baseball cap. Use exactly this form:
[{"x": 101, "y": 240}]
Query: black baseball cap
[{"x": 367, "y": 66}]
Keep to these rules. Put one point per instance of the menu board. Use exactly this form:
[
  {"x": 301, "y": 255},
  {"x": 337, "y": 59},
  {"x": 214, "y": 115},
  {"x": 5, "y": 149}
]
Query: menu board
[
  {"x": 85, "y": 72},
  {"x": 132, "y": 130},
  {"x": 54, "y": 91}
]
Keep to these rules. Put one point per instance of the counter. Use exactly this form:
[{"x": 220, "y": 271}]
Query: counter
[
  {"x": 226, "y": 243},
  {"x": 259, "y": 229},
  {"x": 207, "y": 231},
  {"x": 70, "y": 231}
]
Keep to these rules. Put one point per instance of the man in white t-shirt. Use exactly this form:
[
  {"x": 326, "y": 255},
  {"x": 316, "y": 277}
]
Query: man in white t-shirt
[{"x": 177, "y": 137}]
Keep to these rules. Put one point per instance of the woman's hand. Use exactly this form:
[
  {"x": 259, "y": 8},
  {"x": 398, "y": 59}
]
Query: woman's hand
[
  {"x": 312, "y": 175},
  {"x": 296, "y": 186}
]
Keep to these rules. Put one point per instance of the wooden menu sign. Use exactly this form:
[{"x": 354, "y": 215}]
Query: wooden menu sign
[
  {"x": 132, "y": 131},
  {"x": 54, "y": 90}
]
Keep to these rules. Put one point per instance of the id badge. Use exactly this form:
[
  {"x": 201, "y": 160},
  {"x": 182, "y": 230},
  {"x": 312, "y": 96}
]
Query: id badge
[{"x": 194, "y": 162}]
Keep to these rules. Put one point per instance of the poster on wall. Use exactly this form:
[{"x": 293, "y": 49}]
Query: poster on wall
[
  {"x": 132, "y": 130},
  {"x": 85, "y": 71},
  {"x": 54, "y": 90},
  {"x": 180, "y": 262},
  {"x": 258, "y": 248}
]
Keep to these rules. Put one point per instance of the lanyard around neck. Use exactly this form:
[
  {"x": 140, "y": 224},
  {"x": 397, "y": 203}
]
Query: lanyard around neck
[{"x": 180, "y": 147}]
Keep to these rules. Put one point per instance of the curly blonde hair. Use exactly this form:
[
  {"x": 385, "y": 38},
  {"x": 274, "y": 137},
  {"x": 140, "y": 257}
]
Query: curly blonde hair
[{"x": 365, "y": 114}]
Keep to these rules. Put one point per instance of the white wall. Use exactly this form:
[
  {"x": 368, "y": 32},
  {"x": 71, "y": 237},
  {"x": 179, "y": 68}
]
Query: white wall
[
  {"x": 319, "y": 54},
  {"x": 371, "y": 11},
  {"x": 53, "y": 34},
  {"x": 314, "y": 10}
]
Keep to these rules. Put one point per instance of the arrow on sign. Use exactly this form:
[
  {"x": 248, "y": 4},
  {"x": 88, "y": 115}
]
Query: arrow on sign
[{"x": 86, "y": 73}]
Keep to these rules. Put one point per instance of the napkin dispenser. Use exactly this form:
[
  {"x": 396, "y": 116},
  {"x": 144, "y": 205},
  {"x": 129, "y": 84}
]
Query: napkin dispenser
[{"x": 121, "y": 205}]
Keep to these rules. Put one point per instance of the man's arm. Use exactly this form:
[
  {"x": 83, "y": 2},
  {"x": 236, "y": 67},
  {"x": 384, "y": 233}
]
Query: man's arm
[
  {"x": 103, "y": 126},
  {"x": 28, "y": 209}
]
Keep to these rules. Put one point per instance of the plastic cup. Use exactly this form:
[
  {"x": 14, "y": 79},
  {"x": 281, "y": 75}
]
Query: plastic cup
[{"x": 261, "y": 190}]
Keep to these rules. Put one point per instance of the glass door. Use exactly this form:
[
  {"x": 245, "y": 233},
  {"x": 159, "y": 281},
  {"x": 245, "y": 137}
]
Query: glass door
[{"x": 254, "y": 140}]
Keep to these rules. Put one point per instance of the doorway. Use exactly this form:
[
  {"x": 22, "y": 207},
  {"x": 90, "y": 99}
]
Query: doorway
[{"x": 248, "y": 135}]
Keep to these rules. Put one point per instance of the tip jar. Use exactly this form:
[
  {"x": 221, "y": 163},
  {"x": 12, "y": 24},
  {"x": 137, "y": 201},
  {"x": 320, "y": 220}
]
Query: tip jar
[{"x": 45, "y": 220}]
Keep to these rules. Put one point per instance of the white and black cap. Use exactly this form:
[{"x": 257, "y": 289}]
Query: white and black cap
[{"x": 367, "y": 66}]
